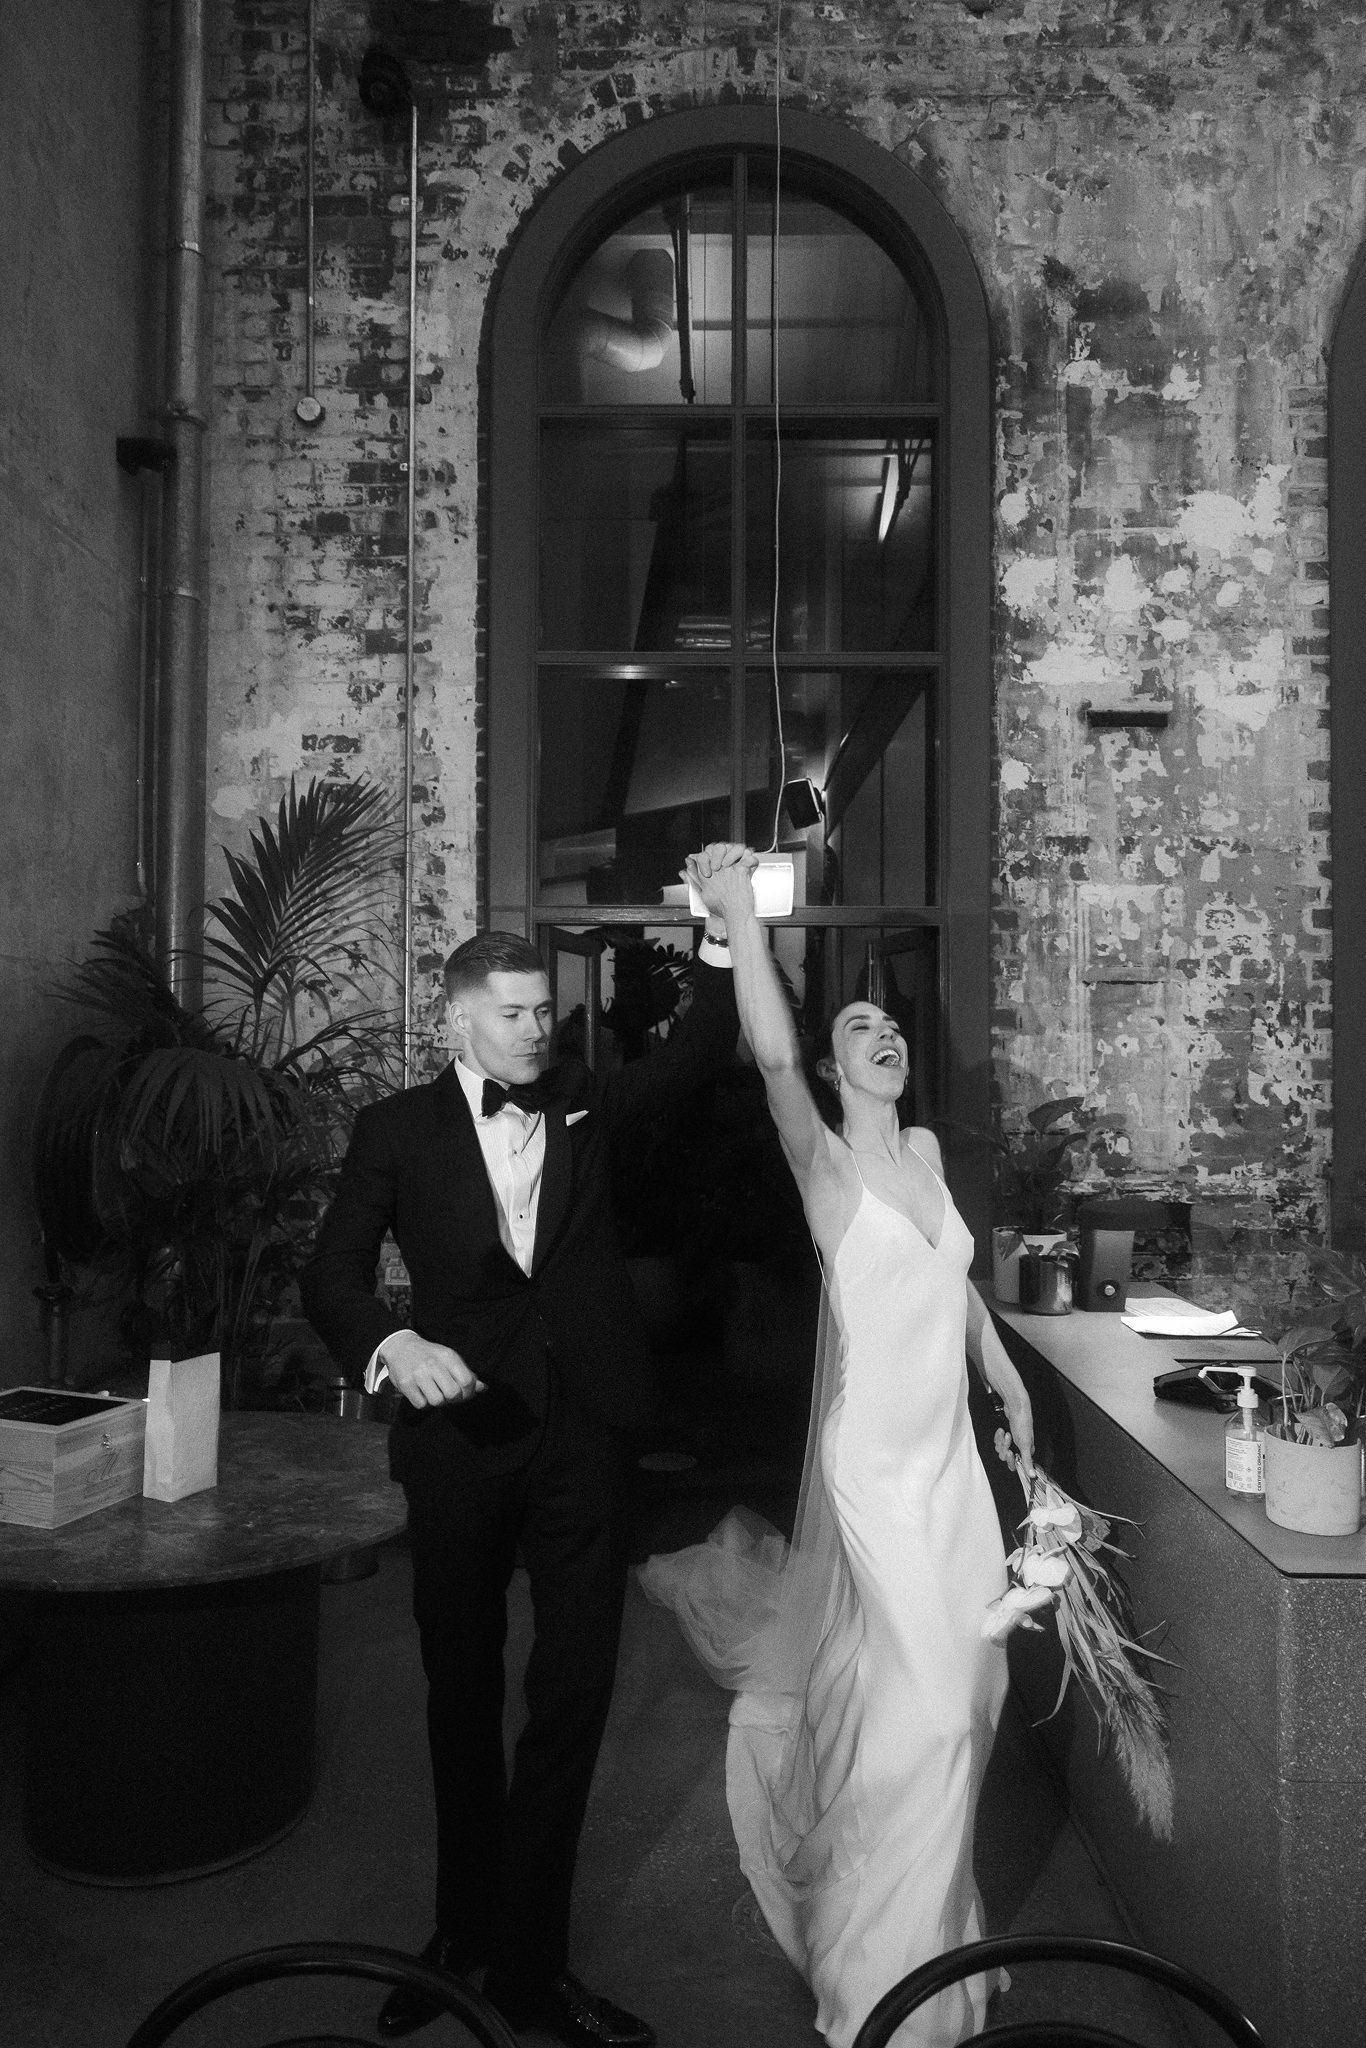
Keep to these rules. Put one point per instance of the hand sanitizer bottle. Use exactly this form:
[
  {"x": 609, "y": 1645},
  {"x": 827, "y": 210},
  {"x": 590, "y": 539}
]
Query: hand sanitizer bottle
[{"x": 1244, "y": 1436}]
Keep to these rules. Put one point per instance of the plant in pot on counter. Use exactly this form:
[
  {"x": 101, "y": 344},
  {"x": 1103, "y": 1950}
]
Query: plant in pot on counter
[
  {"x": 1034, "y": 1164},
  {"x": 1313, "y": 1441},
  {"x": 1323, "y": 1398}
]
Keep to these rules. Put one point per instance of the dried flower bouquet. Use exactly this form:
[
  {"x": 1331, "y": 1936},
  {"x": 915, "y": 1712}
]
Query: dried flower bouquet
[{"x": 1060, "y": 1563}]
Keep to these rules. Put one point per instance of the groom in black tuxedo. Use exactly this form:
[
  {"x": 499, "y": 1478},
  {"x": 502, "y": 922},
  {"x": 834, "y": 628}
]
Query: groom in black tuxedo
[{"x": 523, "y": 1369}]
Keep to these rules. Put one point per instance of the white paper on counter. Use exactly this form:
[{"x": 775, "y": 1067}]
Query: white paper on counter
[{"x": 1169, "y": 1321}]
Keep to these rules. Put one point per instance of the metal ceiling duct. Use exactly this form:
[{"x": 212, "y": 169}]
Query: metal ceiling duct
[{"x": 638, "y": 343}]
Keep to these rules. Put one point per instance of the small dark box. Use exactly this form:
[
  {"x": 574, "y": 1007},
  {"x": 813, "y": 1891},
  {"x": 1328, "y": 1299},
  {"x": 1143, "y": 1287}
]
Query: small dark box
[
  {"x": 1107, "y": 1251},
  {"x": 1103, "y": 1274},
  {"x": 802, "y": 802}
]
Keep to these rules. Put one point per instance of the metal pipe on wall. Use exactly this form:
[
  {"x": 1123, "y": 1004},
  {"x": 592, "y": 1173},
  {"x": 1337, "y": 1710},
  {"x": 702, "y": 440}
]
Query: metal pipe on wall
[
  {"x": 410, "y": 602},
  {"x": 309, "y": 410},
  {"x": 311, "y": 254},
  {"x": 181, "y": 709},
  {"x": 146, "y": 774},
  {"x": 386, "y": 91},
  {"x": 147, "y": 459}
]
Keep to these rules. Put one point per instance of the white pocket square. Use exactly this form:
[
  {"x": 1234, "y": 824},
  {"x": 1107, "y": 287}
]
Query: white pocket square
[{"x": 575, "y": 1116}]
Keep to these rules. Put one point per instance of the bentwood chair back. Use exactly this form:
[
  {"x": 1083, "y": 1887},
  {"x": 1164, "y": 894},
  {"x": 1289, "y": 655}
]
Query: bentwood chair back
[
  {"x": 324, "y": 1959},
  {"x": 891, "y": 2011}
]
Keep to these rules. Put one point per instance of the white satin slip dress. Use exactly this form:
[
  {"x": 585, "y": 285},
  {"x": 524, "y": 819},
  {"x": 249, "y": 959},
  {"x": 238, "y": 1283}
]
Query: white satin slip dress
[{"x": 855, "y": 1821}]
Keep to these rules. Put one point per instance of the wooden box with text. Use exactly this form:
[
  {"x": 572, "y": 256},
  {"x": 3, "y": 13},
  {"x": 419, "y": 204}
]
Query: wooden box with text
[{"x": 64, "y": 1455}]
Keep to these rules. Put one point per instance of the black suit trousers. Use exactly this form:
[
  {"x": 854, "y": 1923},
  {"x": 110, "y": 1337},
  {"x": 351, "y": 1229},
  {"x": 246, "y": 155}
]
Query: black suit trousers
[{"x": 506, "y": 1851}]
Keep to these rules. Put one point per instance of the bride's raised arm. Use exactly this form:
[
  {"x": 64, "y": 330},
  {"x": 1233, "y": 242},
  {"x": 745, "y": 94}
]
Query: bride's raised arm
[{"x": 765, "y": 1017}]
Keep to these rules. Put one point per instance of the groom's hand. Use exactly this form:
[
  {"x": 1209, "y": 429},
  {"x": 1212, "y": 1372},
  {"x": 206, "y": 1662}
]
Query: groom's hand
[
  {"x": 720, "y": 874},
  {"x": 428, "y": 1375},
  {"x": 723, "y": 853}
]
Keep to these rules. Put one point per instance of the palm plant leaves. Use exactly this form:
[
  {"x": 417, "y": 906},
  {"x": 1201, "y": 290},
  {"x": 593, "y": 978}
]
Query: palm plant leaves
[
  {"x": 197, "y": 1144},
  {"x": 196, "y": 1103},
  {"x": 120, "y": 982},
  {"x": 306, "y": 907}
]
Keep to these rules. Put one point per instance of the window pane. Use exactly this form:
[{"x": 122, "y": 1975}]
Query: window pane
[
  {"x": 851, "y": 331},
  {"x": 633, "y": 774},
  {"x": 858, "y": 752},
  {"x": 617, "y": 989},
  {"x": 855, "y": 543},
  {"x": 635, "y": 538},
  {"x": 615, "y": 336}
]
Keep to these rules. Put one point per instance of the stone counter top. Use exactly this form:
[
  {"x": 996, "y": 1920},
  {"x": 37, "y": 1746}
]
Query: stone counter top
[
  {"x": 292, "y": 1490},
  {"x": 1114, "y": 1367}
]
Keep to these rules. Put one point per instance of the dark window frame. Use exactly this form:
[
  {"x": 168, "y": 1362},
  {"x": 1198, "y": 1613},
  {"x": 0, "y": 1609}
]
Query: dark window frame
[{"x": 895, "y": 205}]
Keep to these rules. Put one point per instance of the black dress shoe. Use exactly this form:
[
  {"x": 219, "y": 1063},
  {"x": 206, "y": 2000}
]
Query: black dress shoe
[
  {"x": 406, "y": 2008},
  {"x": 573, "y": 2014}
]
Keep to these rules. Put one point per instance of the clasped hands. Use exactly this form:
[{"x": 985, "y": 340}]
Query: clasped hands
[{"x": 720, "y": 874}]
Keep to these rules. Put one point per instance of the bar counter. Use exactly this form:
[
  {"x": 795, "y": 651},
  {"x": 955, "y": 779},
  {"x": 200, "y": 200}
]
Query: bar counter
[{"x": 1263, "y": 1887}]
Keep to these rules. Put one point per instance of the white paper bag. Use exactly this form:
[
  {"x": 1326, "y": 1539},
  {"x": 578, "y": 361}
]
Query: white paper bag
[{"x": 181, "y": 1451}]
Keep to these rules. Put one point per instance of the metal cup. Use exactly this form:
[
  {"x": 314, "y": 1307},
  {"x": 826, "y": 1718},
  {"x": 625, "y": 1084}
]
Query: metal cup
[{"x": 1045, "y": 1283}]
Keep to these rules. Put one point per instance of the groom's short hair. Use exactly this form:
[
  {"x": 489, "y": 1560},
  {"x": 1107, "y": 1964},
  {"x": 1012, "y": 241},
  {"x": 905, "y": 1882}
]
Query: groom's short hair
[{"x": 470, "y": 965}]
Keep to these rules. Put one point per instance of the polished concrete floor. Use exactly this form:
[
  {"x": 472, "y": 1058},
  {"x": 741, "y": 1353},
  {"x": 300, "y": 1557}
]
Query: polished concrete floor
[{"x": 664, "y": 1921}]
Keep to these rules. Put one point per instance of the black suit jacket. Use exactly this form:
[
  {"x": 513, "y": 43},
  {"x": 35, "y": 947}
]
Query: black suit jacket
[{"x": 414, "y": 1166}]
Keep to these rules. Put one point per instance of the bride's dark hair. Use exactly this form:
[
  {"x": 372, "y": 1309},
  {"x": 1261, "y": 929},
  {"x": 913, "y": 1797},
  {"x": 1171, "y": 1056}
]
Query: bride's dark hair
[{"x": 825, "y": 1097}]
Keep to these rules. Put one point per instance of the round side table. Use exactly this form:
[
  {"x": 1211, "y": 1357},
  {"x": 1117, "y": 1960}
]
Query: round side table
[{"x": 173, "y": 1676}]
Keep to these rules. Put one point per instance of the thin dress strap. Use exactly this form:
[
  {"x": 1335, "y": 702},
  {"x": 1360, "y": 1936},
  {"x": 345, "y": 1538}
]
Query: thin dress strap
[{"x": 925, "y": 1162}]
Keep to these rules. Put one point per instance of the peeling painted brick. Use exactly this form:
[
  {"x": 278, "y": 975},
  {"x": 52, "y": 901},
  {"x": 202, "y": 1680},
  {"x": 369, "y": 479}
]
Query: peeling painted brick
[{"x": 1160, "y": 481}]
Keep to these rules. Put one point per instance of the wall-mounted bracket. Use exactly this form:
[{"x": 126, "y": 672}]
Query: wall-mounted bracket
[
  {"x": 142, "y": 451},
  {"x": 1127, "y": 717}
]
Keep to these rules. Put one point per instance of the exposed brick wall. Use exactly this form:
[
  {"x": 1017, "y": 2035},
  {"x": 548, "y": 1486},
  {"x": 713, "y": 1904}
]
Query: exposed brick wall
[{"x": 1164, "y": 202}]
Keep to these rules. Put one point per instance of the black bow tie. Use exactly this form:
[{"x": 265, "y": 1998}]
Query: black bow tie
[{"x": 532, "y": 1096}]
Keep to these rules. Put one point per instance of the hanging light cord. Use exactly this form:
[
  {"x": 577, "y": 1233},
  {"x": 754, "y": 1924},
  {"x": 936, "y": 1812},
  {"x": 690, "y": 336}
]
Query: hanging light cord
[{"x": 774, "y": 331}]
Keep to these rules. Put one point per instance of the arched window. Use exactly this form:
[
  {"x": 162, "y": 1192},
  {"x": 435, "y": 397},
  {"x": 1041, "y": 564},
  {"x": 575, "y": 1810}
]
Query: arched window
[{"x": 739, "y": 560}]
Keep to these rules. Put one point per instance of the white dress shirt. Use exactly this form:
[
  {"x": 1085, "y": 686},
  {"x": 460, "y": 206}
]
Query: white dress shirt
[{"x": 512, "y": 1141}]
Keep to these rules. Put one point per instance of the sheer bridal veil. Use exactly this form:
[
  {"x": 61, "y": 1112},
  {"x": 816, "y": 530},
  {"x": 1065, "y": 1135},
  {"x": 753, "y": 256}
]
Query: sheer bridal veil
[{"x": 753, "y": 1607}]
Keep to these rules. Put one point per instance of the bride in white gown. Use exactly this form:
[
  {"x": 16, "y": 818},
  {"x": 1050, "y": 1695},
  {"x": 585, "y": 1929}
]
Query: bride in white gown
[{"x": 867, "y": 1693}]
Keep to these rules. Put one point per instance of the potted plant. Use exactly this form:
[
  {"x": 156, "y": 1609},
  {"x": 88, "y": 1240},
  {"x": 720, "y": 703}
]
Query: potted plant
[
  {"x": 183, "y": 1153},
  {"x": 1034, "y": 1164},
  {"x": 1314, "y": 1442}
]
